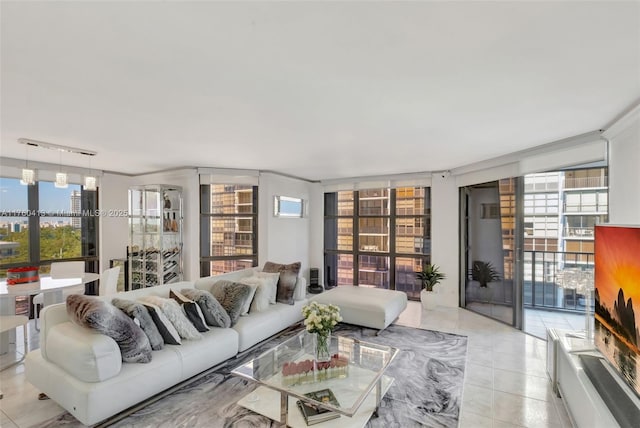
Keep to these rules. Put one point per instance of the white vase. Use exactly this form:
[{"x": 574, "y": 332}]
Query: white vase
[{"x": 429, "y": 299}]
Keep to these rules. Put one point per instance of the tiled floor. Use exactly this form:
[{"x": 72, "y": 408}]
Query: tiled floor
[
  {"x": 505, "y": 380},
  {"x": 536, "y": 321}
]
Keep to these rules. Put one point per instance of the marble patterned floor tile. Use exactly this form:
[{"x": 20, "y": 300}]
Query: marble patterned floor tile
[
  {"x": 522, "y": 384},
  {"x": 501, "y": 424},
  {"x": 528, "y": 412},
  {"x": 474, "y": 420},
  {"x": 522, "y": 364},
  {"x": 480, "y": 356},
  {"x": 476, "y": 399},
  {"x": 478, "y": 375}
]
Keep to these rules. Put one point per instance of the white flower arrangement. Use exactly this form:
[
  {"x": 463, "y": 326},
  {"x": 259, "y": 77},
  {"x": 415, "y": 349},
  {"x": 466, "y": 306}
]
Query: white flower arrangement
[{"x": 320, "y": 318}]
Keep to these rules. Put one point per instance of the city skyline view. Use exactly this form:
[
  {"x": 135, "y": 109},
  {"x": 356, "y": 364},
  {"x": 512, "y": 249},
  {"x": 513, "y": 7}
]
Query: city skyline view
[{"x": 52, "y": 200}]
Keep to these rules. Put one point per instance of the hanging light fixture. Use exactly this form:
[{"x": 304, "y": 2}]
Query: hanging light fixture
[
  {"x": 61, "y": 180},
  {"x": 90, "y": 183},
  {"x": 90, "y": 180},
  {"x": 28, "y": 174},
  {"x": 28, "y": 177},
  {"x": 61, "y": 177}
]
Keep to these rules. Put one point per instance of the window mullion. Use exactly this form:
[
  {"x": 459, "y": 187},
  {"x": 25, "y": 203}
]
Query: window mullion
[
  {"x": 356, "y": 237},
  {"x": 392, "y": 239},
  {"x": 34, "y": 224}
]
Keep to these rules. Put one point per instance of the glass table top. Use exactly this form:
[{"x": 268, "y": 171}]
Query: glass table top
[{"x": 355, "y": 369}]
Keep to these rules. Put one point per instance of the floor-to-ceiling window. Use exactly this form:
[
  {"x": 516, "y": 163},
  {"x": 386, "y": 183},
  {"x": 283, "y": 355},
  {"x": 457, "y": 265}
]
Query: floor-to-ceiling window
[
  {"x": 377, "y": 237},
  {"x": 41, "y": 223},
  {"x": 559, "y": 251},
  {"x": 228, "y": 228}
]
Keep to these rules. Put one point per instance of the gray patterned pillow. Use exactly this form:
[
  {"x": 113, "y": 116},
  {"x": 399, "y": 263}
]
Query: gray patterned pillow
[
  {"x": 191, "y": 310},
  {"x": 232, "y": 296},
  {"x": 287, "y": 282},
  {"x": 91, "y": 312},
  {"x": 137, "y": 311},
  {"x": 214, "y": 314},
  {"x": 172, "y": 310}
]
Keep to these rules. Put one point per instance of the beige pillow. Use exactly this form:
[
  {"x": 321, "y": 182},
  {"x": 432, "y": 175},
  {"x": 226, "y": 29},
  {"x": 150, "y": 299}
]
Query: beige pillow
[
  {"x": 260, "y": 301},
  {"x": 271, "y": 284}
]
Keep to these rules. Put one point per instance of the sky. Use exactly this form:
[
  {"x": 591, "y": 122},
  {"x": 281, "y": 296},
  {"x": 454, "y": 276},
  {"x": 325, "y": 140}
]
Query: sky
[{"x": 13, "y": 196}]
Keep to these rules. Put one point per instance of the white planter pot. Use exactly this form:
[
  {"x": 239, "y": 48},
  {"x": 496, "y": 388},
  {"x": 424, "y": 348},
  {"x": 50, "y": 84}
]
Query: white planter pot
[{"x": 429, "y": 299}]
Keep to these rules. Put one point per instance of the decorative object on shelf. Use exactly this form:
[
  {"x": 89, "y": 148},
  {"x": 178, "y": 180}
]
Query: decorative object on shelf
[
  {"x": 167, "y": 201},
  {"x": 321, "y": 319},
  {"x": 430, "y": 277}
]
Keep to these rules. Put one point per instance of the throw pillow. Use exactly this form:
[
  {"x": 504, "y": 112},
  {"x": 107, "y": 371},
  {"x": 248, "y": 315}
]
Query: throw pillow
[
  {"x": 271, "y": 283},
  {"x": 167, "y": 330},
  {"x": 260, "y": 300},
  {"x": 287, "y": 282},
  {"x": 247, "y": 302},
  {"x": 139, "y": 313},
  {"x": 91, "y": 312},
  {"x": 191, "y": 310},
  {"x": 173, "y": 312},
  {"x": 232, "y": 296},
  {"x": 300, "y": 293},
  {"x": 214, "y": 314}
]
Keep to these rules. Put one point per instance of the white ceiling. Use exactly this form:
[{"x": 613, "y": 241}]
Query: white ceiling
[{"x": 316, "y": 90}]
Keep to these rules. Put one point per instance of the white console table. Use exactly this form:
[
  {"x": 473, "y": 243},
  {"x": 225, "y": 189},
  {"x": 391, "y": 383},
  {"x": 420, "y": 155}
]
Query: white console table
[{"x": 584, "y": 404}]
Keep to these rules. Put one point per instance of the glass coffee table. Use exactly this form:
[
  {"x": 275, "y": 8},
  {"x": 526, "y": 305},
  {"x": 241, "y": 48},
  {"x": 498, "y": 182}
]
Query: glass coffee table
[{"x": 284, "y": 374}]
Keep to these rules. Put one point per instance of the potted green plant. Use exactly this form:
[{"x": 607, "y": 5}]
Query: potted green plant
[
  {"x": 484, "y": 273},
  {"x": 430, "y": 277}
]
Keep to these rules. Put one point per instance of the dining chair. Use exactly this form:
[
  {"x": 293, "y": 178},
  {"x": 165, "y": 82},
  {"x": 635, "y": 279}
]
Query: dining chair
[
  {"x": 109, "y": 281},
  {"x": 73, "y": 269},
  {"x": 11, "y": 322}
]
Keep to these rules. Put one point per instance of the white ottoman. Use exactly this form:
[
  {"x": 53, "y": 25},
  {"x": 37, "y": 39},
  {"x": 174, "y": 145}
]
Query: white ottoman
[{"x": 368, "y": 307}]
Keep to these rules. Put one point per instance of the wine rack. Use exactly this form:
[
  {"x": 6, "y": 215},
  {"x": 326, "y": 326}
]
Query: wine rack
[{"x": 155, "y": 244}]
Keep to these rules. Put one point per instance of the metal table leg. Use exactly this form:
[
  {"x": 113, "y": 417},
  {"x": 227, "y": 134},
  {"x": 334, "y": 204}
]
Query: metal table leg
[{"x": 284, "y": 408}]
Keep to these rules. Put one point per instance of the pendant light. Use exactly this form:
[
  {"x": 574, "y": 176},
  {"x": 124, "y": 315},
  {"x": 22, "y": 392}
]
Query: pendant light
[
  {"x": 90, "y": 180},
  {"x": 61, "y": 177},
  {"x": 28, "y": 174},
  {"x": 90, "y": 183}
]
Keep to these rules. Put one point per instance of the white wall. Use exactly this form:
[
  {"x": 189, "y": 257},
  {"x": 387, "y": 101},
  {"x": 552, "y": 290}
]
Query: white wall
[
  {"x": 445, "y": 236},
  {"x": 114, "y": 229},
  {"x": 316, "y": 226},
  {"x": 624, "y": 169},
  {"x": 282, "y": 239}
]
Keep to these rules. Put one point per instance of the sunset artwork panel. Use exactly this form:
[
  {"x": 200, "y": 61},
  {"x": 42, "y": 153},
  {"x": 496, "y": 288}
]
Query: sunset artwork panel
[{"x": 617, "y": 299}]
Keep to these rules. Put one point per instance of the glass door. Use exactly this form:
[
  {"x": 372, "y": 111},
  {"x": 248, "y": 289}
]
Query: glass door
[{"x": 491, "y": 234}]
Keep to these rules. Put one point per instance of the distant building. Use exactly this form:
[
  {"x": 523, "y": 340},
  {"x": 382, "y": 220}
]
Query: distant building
[
  {"x": 8, "y": 249},
  {"x": 75, "y": 208}
]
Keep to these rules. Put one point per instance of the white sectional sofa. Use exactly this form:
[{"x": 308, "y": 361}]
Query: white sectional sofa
[{"x": 83, "y": 371}]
